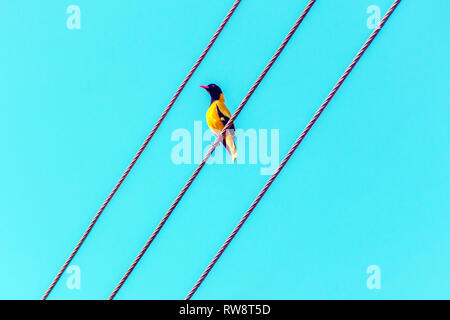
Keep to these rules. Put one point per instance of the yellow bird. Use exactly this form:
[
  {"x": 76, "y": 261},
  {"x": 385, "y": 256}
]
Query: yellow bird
[{"x": 217, "y": 117}]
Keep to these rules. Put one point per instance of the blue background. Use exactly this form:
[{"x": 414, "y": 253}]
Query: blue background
[{"x": 368, "y": 186}]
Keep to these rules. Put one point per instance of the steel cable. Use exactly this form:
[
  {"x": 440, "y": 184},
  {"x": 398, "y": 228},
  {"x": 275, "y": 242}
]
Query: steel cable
[
  {"x": 292, "y": 150},
  {"x": 142, "y": 148},
  {"x": 213, "y": 146}
]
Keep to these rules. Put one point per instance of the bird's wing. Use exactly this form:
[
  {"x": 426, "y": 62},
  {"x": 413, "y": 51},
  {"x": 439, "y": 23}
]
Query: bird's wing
[
  {"x": 224, "y": 115},
  {"x": 223, "y": 108},
  {"x": 224, "y": 119}
]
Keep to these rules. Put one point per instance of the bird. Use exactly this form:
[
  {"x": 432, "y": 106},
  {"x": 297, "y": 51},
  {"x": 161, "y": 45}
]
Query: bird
[{"x": 218, "y": 116}]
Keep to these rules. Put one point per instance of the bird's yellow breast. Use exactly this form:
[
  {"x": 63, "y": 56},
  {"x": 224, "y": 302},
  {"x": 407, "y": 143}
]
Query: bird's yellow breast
[{"x": 212, "y": 116}]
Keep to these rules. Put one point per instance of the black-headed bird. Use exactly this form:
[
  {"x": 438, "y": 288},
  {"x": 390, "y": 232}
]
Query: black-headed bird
[{"x": 217, "y": 117}]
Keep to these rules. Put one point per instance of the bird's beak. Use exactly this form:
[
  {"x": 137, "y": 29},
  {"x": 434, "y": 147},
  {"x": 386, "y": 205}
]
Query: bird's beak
[{"x": 204, "y": 87}]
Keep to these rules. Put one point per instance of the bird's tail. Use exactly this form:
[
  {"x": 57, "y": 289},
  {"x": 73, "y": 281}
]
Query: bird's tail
[{"x": 228, "y": 143}]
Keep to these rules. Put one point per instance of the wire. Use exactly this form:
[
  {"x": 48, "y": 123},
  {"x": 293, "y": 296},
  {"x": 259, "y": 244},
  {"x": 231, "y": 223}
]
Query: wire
[
  {"x": 142, "y": 148},
  {"x": 292, "y": 150},
  {"x": 213, "y": 146}
]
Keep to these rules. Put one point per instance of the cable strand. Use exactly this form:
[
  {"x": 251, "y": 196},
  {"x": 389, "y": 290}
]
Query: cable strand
[
  {"x": 141, "y": 149},
  {"x": 292, "y": 150}
]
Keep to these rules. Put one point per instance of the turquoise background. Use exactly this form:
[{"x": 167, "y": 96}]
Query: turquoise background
[{"x": 368, "y": 186}]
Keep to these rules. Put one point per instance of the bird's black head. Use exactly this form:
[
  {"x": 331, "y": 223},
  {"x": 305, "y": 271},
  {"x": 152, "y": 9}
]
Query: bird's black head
[{"x": 213, "y": 90}]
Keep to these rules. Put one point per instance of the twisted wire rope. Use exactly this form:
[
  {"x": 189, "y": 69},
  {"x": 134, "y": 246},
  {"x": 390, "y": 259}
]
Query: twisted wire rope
[
  {"x": 141, "y": 149},
  {"x": 211, "y": 150},
  {"x": 293, "y": 149}
]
